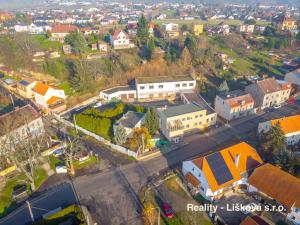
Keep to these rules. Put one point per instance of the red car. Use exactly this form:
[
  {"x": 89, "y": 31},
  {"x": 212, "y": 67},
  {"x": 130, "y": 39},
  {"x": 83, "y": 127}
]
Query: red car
[
  {"x": 168, "y": 210},
  {"x": 291, "y": 100}
]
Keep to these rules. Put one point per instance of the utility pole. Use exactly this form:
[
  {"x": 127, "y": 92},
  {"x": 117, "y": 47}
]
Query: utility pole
[{"x": 30, "y": 211}]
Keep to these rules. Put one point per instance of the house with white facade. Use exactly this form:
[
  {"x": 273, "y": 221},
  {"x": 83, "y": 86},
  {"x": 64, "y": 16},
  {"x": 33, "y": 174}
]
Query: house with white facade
[
  {"x": 269, "y": 92},
  {"x": 290, "y": 126},
  {"x": 172, "y": 29},
  {"x": 124, "y": 93},
  {"x": 223, "y": 171},
  {"x": 49, "y": 98},
  {"x": 130, "y": 121},
  {"x": 246, "y": 28},
  {"x": 120, "y": 40},
  {"x": 163, "y": 87},
  {"x": 273, "y": 183},
  {"x": 20, "y": 123},
  {"x": 234, "y": 104}
]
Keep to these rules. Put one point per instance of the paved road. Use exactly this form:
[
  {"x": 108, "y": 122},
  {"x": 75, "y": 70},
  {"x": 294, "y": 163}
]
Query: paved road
[
  {"x": 112, "y": 196},
  {"x": 59, "y": 196}
]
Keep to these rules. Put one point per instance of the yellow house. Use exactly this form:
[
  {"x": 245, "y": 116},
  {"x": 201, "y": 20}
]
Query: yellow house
[
  {"x": 198, "y": 29},
  {"x": 175, "y": 121},
  {"x": 289, "y": 24}
]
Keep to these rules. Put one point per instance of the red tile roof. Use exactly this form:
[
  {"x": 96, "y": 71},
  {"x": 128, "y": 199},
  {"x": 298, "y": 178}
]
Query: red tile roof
[
  {"x": 63, "y": 28},
  {"x": 277, "y": 184},
  {"x": 117, "y": 32}
]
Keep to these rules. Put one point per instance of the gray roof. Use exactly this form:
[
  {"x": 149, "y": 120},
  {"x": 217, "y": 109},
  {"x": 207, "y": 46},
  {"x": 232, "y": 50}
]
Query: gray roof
[
  {"x": 147, "y": 80},
  {"x": 24, "y": 83},
  {"x": 130, "y": 119},
  {"x": 120, "y": 88},
  {"x": 181, "y": 109},
  {"x": 232, "y": 94},
  {"x": 195, "y": 98}
]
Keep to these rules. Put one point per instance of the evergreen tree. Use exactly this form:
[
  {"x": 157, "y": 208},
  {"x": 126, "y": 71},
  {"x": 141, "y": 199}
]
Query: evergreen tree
[
  {"x": 120, "y": 135},
  {"x": 275, "y": 139},
  {"x": 142, "y": 31},
  {"x": 151, "y": 47},
  {"x": 77, "y": 41},
  {"x": 223, "y": 87},
  {"x": 151, "y": 121}
]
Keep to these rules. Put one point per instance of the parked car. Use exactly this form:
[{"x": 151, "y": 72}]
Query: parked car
[
  {"x": 97, "y": 105},
  {"x": 276, "y": 106},
  {"x": 168, "y": 210},
  {"x": 19, "y": 192},
  {"x": 61, "y": 169},
  {"x": 250, "y": 208},
  {"x": 291, "y": 100}
]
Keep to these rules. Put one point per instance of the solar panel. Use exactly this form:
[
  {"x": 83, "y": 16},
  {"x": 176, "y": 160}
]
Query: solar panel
[{"x": 219, "y": 168}]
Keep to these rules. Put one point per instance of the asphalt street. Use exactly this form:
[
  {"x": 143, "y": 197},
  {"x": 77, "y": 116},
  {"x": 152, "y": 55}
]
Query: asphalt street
[
  {"x": 112, "y": 196},
  {"x": 59, "y": 196}
]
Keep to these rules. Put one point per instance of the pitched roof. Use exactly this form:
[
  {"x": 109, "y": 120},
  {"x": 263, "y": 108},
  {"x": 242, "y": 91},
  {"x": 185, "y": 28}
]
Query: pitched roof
[
  {"x": 53, "y": 100},
  {"x": 17, "y": 118},
  {"x": 117, "y": 32},
  {"x": 41, "y": 88},
  {"x": 192, "y": 179},
  {"x": 247, "y": 157},
  {"x": 253, "y": 220},
  {"x": 237, "y": 98},
  {"x": 277, "y": 184},
  {"x": 162, "y": 79},
  {"x": 130, "y": 119},
  {"x": 270, "y": 85},
  {"x": 288, "y": 124},
  {"x": 181, "y": 109},
  {"x": 63, "y": 28}
]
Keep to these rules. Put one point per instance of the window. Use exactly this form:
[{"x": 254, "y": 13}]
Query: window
[
  {"x": 184, "y": 84},
  {"x": 160, "y": 86},
  {"x": 183, "y": 119},
  {"x": 187, "y": 126},
  {"x": 191, "y": 84},
  {"x": 193, "y": 169},
  {"x": 199, "y": 175},
  {"x": 151, "y": 87},
  {"x": 196, "y": 124},
  {"x": 202, "y": 189},
  {"x": 142, "y": 87},
  {"x": 188, "y": 118},
  {"x": 196, "y": 116},
  {"x": 177, "y": 85}
]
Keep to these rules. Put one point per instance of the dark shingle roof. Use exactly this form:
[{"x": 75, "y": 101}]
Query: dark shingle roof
[
  {"x": 130, "y": 119},
  {"x": 181, "y": 109}
]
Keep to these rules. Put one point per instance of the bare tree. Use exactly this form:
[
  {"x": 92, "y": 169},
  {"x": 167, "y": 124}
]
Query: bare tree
[
  {"x": 24, "y": 153},
  {"x": 70, "y": 153}
]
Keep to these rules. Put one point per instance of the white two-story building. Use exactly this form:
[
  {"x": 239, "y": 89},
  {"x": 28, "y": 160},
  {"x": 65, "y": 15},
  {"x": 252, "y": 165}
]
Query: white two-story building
[
  {"x": 163, "y": 87},
  {"x": 49, "y": 98},
  {"x": 120, "y": 40}
]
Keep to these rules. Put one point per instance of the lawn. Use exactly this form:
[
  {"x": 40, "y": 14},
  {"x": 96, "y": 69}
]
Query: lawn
[
  {"x": 91, "y": 161},
  {"x": 53, "y": 161},
  {"x": 174, "y": 186},
  {"x": 72, "y": 212},
  {"x": 40, "y": 177},
  {"x": 46, "y": 44},
  {"x": 66, "y": 87},
  {"x": 6, "y": 204}
]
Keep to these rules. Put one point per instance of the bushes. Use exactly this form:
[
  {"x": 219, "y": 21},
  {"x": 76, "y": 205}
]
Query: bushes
[{"x": 101, "y": 122}]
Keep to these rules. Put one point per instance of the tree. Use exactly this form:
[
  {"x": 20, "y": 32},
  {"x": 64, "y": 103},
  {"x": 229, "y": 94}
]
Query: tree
[
  {"x": 184, "y": 27},
  {"x": 150, "y": 47},
  {"x": 151, "y": 121},
  {"x": 24, "y": 154},
  {"x": 77, "y": 41},
  {"x": 120, "y": 135},
  {"x": 275, "y": 139},
  {"x": 287, "y": 160},
  {"x": 298, "y": 35},
  {"x": 142, "y": 31},
  {"x": 250, "y": 22},
  {"x": 186, "y": 58},
  {"x": 269, "y": 31},
  {"x": 70, "y": 152},
  {"x": 149, "y": 214},
  {"x": 140, "y": 140},
  {"x": 223, "y": 87}
]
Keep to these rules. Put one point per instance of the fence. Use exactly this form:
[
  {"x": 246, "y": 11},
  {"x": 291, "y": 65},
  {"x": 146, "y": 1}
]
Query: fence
[{"x": 118, "y": 148}]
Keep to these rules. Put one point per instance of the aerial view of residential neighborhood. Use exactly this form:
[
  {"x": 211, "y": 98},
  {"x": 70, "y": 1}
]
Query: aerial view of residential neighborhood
[{"x": 150, "y": 112}]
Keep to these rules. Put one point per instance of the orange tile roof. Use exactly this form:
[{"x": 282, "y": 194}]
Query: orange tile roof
[
  {"x": 253, "y": 220},
  {"x": 277, "y": 184},
  {"x": 41, "y": 88},
  {"x": 238, "y": 101},
  {"x": 53, "y": 100},
  {"x": 192, "y": 179},
  {"x": 270, "y": 85},
  {"x": 288, "y": 124},
  {"x": 63, "y": 28},
  {"x": 248, "y": 159},
  {"x": 117, "y": 32}
]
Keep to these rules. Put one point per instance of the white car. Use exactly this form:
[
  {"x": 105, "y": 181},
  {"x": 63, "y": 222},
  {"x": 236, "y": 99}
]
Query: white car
[
  {"x": 97, "y": 105},
  {"x": 276, "y": 106},
  {"x": 61, "y": 169}
]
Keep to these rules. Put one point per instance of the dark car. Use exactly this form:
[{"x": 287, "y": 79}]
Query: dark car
[
  {"x": 20, "y": 192},
  {"x": 168, "y": 210}
]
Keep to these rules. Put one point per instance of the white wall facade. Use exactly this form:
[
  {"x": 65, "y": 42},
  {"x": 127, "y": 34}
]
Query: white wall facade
[
  {"x": 42, "y": 99},
  {"x": 163, "y": 89},
  {"x": 117, "y": 94},
  {"x": 122, "y": 41}
]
